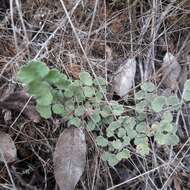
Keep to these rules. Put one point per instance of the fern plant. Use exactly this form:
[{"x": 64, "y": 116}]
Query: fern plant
[{"x": 81, "y": 103}]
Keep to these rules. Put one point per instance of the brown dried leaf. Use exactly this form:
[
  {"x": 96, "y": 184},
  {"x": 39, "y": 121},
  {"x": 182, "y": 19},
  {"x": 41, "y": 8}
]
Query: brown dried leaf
[
  {"x": 177, "y": 184},
  {"x": 118, "y": 24},
  {"x": 124, "y": 77},
  {"x": 69, "y": 158},
  {"x": 70, "y": 4},
  {"x": 7, "y": 148},
  {"x": 16, "y": 102},
  {"x": 171, "y": 71},
  {"x": 74, "y": 70}
]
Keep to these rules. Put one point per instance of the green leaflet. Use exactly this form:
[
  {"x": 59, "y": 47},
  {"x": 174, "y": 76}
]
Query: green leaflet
[{"x": 34, "y": 70}]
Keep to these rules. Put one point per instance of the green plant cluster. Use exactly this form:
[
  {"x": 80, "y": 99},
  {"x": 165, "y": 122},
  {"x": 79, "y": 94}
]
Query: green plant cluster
[
  {"x": 81, "y": 103},
  {"x": 152, "y": 119},
  {"x": 56, "y": 94},
  {"x": 149, "y": 104}
]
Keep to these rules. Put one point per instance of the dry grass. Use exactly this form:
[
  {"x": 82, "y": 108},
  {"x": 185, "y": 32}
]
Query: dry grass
[{"x": 92, "y": 35}]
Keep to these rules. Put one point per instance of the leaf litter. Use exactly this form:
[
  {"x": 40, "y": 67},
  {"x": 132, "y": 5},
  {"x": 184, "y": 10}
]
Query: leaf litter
[
  {"x": 171, "y": 71},
  {"x": 124, "y": 77},
  {"x": 69, "y": 158},
  {"x": 8, "y": 152},
  {"x": 121, "y": 33},
  {"x": 16, "y": 101}
]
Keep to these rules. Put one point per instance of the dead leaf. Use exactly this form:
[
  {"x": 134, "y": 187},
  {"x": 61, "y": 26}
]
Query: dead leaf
[
  {"x": 177, "y": 184},
  {"x": 124, "y": 77},
  {"x": 183, "y": 77},
  {"x": 16, "y": 102},
  {"x": 69, "y": 4},
  {"x": 7, "y": 148},
  {"x": 7, "y": 116},
  {"x": 69, "y": 158},
  {"x": 108, "y": 54},
  {"x": 74, "y": 70},
  {"x": 118, "y": 25},
  {"x": 171, "y": 70}
]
